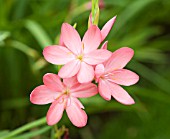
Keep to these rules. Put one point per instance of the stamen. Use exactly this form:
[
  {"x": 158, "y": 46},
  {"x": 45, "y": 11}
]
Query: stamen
[
  {"x": 80, "y": 57},
  {"x": 83, "y": 46}
]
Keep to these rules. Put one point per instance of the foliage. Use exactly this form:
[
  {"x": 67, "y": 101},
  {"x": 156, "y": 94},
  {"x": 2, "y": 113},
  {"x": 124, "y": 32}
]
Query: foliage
[{"x": 27, "y": 26}]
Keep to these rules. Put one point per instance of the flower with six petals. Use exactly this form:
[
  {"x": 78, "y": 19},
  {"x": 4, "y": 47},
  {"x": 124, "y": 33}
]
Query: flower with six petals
[
  {"x": 63, "y": 95},
  {"x": 78, "y": 57},
  {"x": 111, "y": 74}
]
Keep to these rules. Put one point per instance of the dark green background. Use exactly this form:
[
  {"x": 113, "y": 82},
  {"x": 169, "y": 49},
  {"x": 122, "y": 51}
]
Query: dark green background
[{"x": 27, "y": 26}]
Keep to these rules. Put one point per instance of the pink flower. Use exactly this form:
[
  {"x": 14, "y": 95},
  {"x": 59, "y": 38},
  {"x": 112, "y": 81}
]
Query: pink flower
[
  {"x": 111, "y": 74},
  {"x": 106, "y": 28},
  {"x": 78, "y": 56},
  {"x": 63, "y": 95}
]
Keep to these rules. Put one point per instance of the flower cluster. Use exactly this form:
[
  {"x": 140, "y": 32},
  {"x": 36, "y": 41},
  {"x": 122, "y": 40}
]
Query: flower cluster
[{"x": 83, "y": 62}]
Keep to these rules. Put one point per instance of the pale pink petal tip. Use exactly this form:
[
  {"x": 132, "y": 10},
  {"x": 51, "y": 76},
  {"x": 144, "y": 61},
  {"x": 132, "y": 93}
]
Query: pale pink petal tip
[
  {"x": 53, "y": 82},
  {"x": 71, "y": 38},
  {"x": 55, "y": 113},
  {"x": 76, "y": 115},
  {"x": 107, "y": 27},
  {"x": 91, "y": 39},
  {"x": 42, "y": 95},
  {"x": 57, "y": 54},
  {"x": 86, "y": 73},
  {"x": 104, "y": 46},
  {"x": 99, "y": 70},
  {"x": 119, "y": 59}
]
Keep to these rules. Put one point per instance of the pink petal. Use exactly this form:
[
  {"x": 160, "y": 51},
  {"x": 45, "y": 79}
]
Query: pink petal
[
  {"x": 76, "y": 115},
  {"x": 43, "y": 95},
  {"x": 124, "y": 77},
  {"x": 91, "y": 39},
  {"x": 83, "y": 90},
  {"x": 79, "y": 104},
  {"x": 104, "y": 46},
  {"x": 120, "y": 94},
  {"x": 61, "y": 43},
  {"x": 71, "y": 38},
  {"x": 107, "y": 27},
  {"x": 104, "y": 89},
  {"x": 97, "y": 56},
  {"x": 99, "y": 70},
  {"x": 70, "y": 69},
  {"x": 58, "y": 55},
  {"x": 53, "y": 82},
  {"x": 55, "y": 112},
  {"x": 86, "y": 73},
  {"x": 69, "y": 82},
  {"x": 119, "y": 59}
]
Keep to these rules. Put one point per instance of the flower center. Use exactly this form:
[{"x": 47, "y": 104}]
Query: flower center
[
  {"x": 80, "y": 57},
  {"x": 66, "y": 92}
]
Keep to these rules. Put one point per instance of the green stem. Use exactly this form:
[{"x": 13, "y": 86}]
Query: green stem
[
  {"x": 26, "y": 127},
  {"x": 95, "y": 10}
]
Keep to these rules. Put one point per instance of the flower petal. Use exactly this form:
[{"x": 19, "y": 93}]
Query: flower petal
[
  {"x": 61, "y": 43},
  {"x": 83, "y": 90},
  {"x": 70, "y": 69},
  {"x": 71, "y": 38},
  {"x": 69, "y": 82},
  {"x": 107, "y": 27},
  {"x": 104, "y": 89},
  {"x": 119, "y": 59},
  {"x": 91, "y": 39},
  {"x": 124, "y": 77},
  {"x": 43, "y": 95},
  {"x": 55, "y": 112},
  {"x": 58, "y": 55},
  {"x": 76, "y": 115},
  {"x": 104, "y": 46},
  {"x": 53, "y": 82},
  {"x": 120, "y": 94},
  {"x": 99, "y": 70},
  {"x": 86, "y": 73},
  {"x": 97, "y": 56}
]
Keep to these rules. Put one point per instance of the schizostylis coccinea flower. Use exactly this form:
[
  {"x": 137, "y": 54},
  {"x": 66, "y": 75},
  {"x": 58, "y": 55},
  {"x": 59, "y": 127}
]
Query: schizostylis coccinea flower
[
  {"x": 111, "y": 74},
  {"x": 78, "y": 57},
  {"x": 63, "y": 96}
]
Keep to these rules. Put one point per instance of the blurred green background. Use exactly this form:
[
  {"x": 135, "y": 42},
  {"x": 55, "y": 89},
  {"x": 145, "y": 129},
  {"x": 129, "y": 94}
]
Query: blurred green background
[{"x": 27, "y": 26}]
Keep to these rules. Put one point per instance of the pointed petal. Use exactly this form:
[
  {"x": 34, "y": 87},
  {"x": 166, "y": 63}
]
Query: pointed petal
[
  {"x": 119, "y": 59},
  {"x": 86, "y": 73},
  {"x": 120, "y": 94},
  {"x": 76, "y": 115},
  {"x": 70, "y": 69},
  {"x": 97, "y": 56},
  {"x": 104, "y": 89},
  {"x": 99, "y": 70},
  {"x": 104, "y": 46},
  {"x": 55, "y": 112},
  {"x": 58, "y": 55},
  {"x": 61, "y": 43},
  {"x": 71, "y": 38},
  {"x": 107, "y": 27},
  {"x": 69, "y": 82},
  {"x": 91, "y": 39},
  {"x": 42, "y": 95},
  {"x": 124, "y": 77},
  {"x": 53, "y": 82},
  {"x": 83, "y": 90}
]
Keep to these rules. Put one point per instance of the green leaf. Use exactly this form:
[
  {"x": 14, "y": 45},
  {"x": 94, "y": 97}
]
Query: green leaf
[
  {"x": 24, "y": 48},
  {"x": 33, "y": 133},
  {"x": 4, "y": 35},
  {"x": 39, "y": 33}
]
